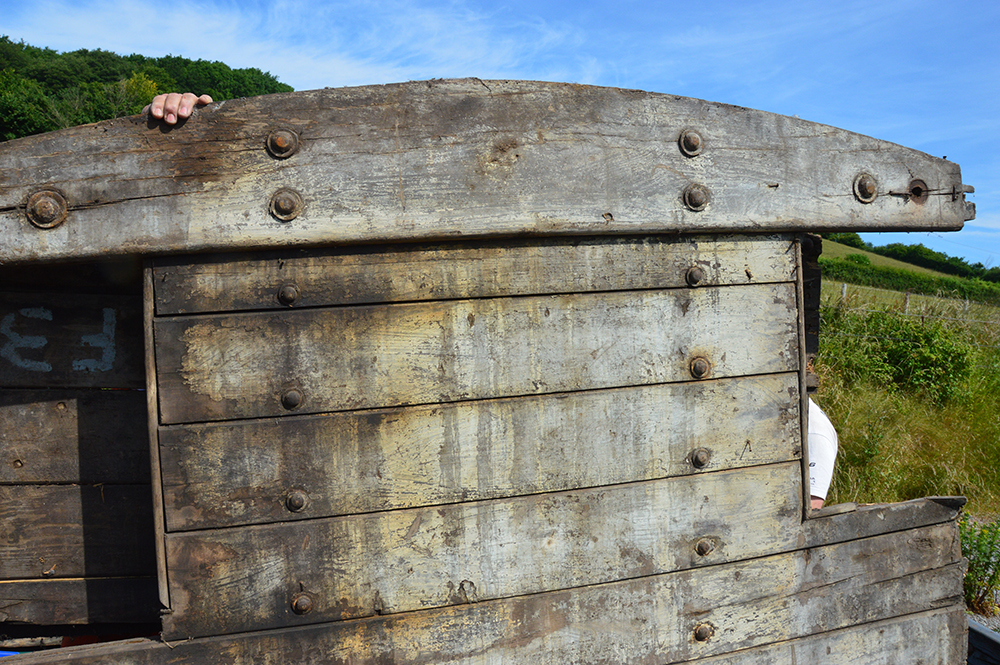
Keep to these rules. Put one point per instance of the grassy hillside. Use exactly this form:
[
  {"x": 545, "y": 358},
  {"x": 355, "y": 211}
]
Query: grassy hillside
[{"x": 837, "y": 251}]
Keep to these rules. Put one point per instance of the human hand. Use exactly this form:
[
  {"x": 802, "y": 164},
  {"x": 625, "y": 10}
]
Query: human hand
[{"x": 174, "y": 106}]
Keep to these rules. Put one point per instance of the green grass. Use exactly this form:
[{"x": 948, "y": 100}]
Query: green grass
[{"x": 835, "y": 250}]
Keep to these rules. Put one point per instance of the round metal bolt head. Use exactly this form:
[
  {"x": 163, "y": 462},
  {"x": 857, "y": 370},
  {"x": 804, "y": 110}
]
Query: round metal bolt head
[
  {"x": 282, "y": 143},
  {"x": 704, "y": 547},
  {"x": 302, "y": 603},
  {"x": 696, "y": 197},
  {"x": 691, "y": 143},
  {"x": 700, "y": 458},
  {"x": 288, "y": 294},
  {"x": 700, "y": 367},
  {"x": 286, "y": 204},
  {"x": 292, "y": 399},
  {"x": 703, "y": 632},
  {"x": 296, "y": 501},
  {"x": 865, "y": 188},
  {"x": 694, "y": 276},
  {"x": 46, "y": 209}
]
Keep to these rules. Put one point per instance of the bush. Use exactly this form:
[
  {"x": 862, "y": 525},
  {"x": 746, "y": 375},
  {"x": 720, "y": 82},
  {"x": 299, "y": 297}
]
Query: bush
[{"x": 981, "y": 546}]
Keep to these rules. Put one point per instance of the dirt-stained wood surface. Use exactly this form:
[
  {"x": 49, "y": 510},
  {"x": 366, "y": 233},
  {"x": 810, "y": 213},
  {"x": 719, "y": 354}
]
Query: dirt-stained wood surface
[
  {"x": 442, "y": 159},
  {"x": 347, "y": 276},
  {"x": 243, "y": 365},
  {"x": 228, "y": 474},
  {"x": 75, "y": 601},
  {"x": 786, "y": 608}
]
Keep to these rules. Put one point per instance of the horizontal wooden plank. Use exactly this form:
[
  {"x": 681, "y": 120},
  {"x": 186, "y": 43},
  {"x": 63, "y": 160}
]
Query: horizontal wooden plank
[
  {"x": 242, "y": 365},
  {"x": 873, "y": 519},
  {"x": 50, "y": 340},
  {"x": 347, "y": 276},
  {"x": 867, "y": 602},
  {"x": 438, "y": 159},
  {"x": 59, "y": 531},
  {"x": 73, "y": 436},
  {"x": 80, "y": 601},
  {"x": 244, "y": 472},
  {"x": 232, "y": 580}
]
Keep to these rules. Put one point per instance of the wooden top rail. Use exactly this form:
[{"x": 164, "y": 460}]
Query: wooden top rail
[{"x": 461, "y": 158}]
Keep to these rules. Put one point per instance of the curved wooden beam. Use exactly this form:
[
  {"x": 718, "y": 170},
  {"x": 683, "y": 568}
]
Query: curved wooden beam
[{"x": 459, "y": 158}]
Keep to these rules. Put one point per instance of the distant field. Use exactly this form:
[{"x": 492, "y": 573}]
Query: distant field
[{"x": 837, "y": 251}]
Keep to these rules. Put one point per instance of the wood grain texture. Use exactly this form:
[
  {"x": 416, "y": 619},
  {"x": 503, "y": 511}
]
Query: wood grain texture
[
  {"x": 79, "y": 601},
  {"x": 50, "y": 340},
  {"x": 59, "y": 531},
  {"x": 874, "y": 519},
  {"x": 354, "y": 276},
  {"x": 437, "y": 159},
  {"x": 73, "y": 436},
  {"x": 234, "y": 580},
  {"x": 240, "y": 365},
  {"x": 241, "y": 473},
  {"x": 879, "y": 601}
]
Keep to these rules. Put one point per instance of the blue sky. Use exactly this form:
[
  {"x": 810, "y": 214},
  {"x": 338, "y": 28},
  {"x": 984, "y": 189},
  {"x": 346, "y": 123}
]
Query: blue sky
[{"x": 922, "y": 74}]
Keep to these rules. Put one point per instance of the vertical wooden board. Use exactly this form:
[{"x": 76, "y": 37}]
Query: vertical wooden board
[
  {"x": 242, "y": 473},
  {"x": 73, "y": 436},
  {"x": 67, "y": 340},
  {"x": 79, "y": 601},
  {"x": 234, "y": 580},
  {"x": 894, "y": 602},
  {"x": 354, "y": 276},
  {"x": 240, "y": 366},
  {"x": 59, "y": 531}
]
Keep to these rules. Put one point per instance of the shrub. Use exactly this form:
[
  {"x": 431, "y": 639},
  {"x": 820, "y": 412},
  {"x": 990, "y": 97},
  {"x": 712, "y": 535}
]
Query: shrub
[{"x": 981, "y": 546}]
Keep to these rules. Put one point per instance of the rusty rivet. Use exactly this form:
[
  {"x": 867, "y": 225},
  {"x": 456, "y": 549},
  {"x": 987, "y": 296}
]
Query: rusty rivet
[
  {"x": 918, "y": 191},
  {"x": 865, "y": 188},
  {"x": 703, "y": 632},
  {"x": 288, "y": 294},
  {"x": 17, "y": 464},
  {"x": 704, "y": 547},
  {"x": 302, "y": 603},
  {"x": 296, "y": 501},
  {"x": 700, "y": 367},
  {"x": 46, "y": 209},
  {"x": 700, "y": 458},
  {"x": 286, "y": 204},
  {"x": 696, "y": 197},
  {"x": 282, "y": 143},
  {"x": 292, "y": 399},
  {"x": 694, "y": 276},
  {"x": 691, "y": 143}
]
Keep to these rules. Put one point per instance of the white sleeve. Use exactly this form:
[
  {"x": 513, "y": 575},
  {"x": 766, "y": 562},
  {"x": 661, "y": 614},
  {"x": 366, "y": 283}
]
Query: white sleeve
[{"x": 822, "y": 451}]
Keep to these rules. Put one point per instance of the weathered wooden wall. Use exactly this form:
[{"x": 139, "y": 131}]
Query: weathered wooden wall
[{"x": 75, "y": 505}]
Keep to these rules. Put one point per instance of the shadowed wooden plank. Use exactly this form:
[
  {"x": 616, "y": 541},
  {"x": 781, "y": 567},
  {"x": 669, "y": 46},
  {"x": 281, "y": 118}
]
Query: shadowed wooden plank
[
  {"x": 440, "y": 159},
  {"x": 243, "y": 473},
  {"x": 877, "y": 601},
  {"x": 58, "y": 531},
  {"x": 231, "y": 580},
  {"x": 444, "y": 272},
  {"x": 80, "y": 601},
  {"x": 242, "y": 365},
  {"x": 73, "y": 436}
]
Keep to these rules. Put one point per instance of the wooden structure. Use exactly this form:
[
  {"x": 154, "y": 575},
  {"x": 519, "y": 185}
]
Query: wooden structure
[{"x": 446, "y": 372}]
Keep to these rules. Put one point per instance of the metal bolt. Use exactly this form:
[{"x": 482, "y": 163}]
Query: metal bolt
[
  {"x": 288, "y": 294},
  {"x": 704, "y": 547},
  {"x": 46, "y": 209},
  {"x": 700, "y": 367},
  {"x": 296, "y": 501},
  {"x": 700, "y": 458},
  {"x": 292, "y": 399},
  {"x": 865, "y": 188},
  {"x": 918, "y": 191},
  {"x": 282, "y": 143},
  {"x": 703, "y": 632},
  {"x": 286, "y": 204},
  {"x": 694, "y": 276},
  {"x": 691, "y": 143},
  {"x": 17, "y": 464},
  {"x": 696, "y": 197},
  {"x": 302, "y": 603}
]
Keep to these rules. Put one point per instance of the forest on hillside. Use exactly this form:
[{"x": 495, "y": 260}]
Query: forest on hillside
[{"x": 43, "y": 90}]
